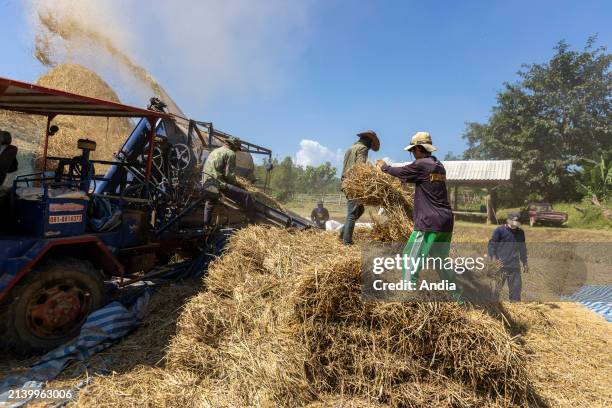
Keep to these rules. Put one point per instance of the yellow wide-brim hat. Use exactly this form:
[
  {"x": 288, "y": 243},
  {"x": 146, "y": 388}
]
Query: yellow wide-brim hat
[{"x": 421, "y": 139}]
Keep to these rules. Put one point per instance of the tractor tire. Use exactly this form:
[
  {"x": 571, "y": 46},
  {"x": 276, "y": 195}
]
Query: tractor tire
[{"x": 50, "y": 304}]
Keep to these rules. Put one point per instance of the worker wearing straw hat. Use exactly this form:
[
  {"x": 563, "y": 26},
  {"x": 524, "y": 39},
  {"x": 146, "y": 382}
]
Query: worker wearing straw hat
[
  {"x": 357, "y": 153},
  {"x": 433, "y": 217}
]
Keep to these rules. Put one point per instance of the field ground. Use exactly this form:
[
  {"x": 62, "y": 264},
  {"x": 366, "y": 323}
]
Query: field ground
[
  {"x": 576, "y": 219},
  {"x": 478, "y": 231},
  {"x": 538, "y": 234}
]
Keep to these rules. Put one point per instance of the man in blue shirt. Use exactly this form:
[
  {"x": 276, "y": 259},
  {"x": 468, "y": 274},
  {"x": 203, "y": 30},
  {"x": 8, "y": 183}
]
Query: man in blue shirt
[
  {"x": 319, "y": 215},
  {"x": 508, "y": 246}
]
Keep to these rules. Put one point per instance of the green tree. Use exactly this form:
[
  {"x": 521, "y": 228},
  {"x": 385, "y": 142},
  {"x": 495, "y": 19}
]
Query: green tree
[
  {"x": 283, "y": 180},
  {"x": 453, "y": 156},
  {"x": 318, "y": 180},
  {"x": 595, "y": 178},
  {"x": 287, "y": 178},
  {"x": 557, "y": 113}
]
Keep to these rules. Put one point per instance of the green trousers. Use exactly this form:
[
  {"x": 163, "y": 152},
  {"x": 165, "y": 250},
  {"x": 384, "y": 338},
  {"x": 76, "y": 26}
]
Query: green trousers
[{"x": 424, "y": 244}]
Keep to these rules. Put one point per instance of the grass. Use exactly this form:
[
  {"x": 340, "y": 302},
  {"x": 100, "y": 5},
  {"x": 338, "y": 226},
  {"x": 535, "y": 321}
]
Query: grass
[
  {"x": 482, "y": 233},
  {"x": 576, "y": 229},
  {"x": 591, "y": 219},
  {"x": 336, "y": 211}
]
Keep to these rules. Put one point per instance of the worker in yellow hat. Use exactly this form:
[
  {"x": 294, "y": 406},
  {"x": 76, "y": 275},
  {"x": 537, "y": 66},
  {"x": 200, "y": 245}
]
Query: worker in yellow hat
[{"x": 433, "y": 216}]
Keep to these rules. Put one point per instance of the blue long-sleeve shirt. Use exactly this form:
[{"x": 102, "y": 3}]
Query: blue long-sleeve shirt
[{"x": 508, "y": 245}]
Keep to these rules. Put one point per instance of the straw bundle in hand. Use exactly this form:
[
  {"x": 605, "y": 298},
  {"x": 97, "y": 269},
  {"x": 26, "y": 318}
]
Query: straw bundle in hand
[{"x": 370, "y": 186}]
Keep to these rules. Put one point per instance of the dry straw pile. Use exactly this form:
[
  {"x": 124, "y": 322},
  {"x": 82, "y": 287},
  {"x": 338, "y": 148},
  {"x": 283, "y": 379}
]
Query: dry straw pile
[
  {"x": 283, "y": 324},
  {"x": 109, "y": 133},
  {"x": 370, "y": 186}
]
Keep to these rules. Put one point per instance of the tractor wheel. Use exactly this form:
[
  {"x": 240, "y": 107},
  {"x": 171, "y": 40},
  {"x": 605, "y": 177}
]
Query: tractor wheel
[{"x": 51, "y": 303}]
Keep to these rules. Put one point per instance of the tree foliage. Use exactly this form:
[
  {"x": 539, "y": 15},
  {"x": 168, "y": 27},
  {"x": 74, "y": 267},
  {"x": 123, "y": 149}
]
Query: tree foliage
[
  {"x": 595, "y": 177},
  {"x": 288, "y": 178},
  {"x": 556, "y": 114}
]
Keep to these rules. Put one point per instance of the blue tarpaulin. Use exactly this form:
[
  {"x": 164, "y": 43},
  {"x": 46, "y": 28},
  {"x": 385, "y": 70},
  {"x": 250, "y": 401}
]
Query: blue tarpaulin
[
  {"x": 598, "y": 298},
  {"x": 101, "y": 329}
]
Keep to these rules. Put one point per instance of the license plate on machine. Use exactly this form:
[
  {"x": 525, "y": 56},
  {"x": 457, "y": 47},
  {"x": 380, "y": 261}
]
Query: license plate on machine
[{"x": 65, "y": 219}]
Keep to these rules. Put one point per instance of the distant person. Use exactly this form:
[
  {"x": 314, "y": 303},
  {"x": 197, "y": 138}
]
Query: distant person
[
  {"x": 319, "y": 215},
  {"x": 357, "y": 153},
  {"x": 508, "y": 246},
  {"x": 220, "y": 171},
  {"x": 433, "y": 217},
  {"x": 8, "y": 155}
]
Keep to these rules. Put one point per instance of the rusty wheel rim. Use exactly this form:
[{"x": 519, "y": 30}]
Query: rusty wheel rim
[{"x": 57, "y": 309}]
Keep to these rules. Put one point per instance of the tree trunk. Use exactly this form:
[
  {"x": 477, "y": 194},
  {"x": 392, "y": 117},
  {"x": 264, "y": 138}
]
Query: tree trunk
[{"x": 491, "y": 207}]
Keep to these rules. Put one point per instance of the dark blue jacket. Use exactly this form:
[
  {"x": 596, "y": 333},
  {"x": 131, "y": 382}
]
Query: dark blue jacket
[{"x": 508, "y": 245}]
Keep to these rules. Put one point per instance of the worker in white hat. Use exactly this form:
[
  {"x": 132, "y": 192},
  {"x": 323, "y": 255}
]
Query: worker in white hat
[{"x": 433, "y": 216}]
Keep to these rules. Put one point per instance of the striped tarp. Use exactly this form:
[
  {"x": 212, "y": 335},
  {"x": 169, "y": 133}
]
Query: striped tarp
[
  {"x": 598, "y": 298},
  {"x": 101, "y": 329}
]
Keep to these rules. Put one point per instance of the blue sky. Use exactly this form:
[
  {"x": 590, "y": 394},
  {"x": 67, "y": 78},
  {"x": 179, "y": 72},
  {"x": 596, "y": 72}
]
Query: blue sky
[{"x": 339, "y": 66}]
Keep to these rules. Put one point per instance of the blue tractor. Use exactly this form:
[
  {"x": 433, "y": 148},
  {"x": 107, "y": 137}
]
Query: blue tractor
[{"x": 67, "y": 231}]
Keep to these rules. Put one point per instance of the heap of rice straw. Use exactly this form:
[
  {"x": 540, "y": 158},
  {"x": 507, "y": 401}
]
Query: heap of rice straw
[
  {"x": 26, "y": 131},
  {"x": 370, "y": 186},
  {"x": 283, "y": 324},
  {"x": 109, "y": 133}
]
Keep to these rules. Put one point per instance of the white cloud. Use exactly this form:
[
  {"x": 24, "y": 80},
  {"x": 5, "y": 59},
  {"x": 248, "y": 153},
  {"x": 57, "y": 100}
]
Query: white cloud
[{"x": 313, "y": 153}]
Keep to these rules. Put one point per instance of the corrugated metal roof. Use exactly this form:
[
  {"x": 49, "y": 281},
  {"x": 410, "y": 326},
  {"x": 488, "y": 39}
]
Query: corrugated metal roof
[{"x": 475, "y": 170}]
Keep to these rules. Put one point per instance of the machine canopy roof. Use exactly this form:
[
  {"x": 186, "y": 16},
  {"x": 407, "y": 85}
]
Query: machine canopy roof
[{"x": 37, "y": 100}]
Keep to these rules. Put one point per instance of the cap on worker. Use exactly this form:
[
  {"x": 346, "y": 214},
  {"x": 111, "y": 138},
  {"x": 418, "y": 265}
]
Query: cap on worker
[
  {"x": 370, "y": 134},
  {"x": 513, "y": 219},
  {"x": 233, "y": 142},
  {"x": 421, "y": 139}
]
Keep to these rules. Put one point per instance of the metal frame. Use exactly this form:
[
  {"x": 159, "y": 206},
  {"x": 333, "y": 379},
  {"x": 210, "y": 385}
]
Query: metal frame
[
  {"x": 94, "y": 107},
  {"x": 213, "y": 132}
]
